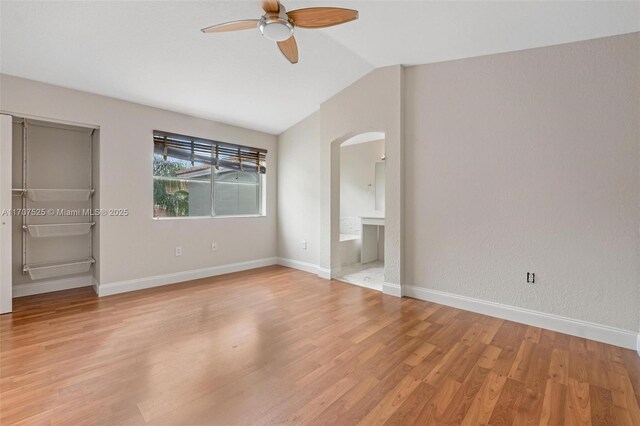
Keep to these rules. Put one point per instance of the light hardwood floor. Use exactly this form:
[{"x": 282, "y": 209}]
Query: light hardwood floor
[{"x": 275, "y": 345}]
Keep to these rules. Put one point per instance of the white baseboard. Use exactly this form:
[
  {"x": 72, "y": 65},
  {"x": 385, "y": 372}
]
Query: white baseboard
[
  {"x": 392, "y": 289},
  {"x": 160, "y": 280},
  {"x": 297, "y": 264},
  {"x": 638, "y": 344},
  {"x": 324, "y": 273},
  {"x": 306, "y": 267},
  {"x": 48, "y": 286},
  {"x": 602, "y": 333}
]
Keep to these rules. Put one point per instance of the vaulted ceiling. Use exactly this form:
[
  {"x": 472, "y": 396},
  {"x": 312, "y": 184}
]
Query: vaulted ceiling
[{"x": 153, "y": 53}]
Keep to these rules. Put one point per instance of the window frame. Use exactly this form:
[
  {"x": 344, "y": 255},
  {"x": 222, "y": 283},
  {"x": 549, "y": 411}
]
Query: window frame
[{"x": 262, "y": 190}]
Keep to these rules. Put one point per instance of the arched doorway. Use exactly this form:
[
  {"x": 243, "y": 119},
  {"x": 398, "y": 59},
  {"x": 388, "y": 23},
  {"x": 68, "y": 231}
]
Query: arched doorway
[
  {"x": 330, "y": 204},
  {"x": 360, "y": 254}
]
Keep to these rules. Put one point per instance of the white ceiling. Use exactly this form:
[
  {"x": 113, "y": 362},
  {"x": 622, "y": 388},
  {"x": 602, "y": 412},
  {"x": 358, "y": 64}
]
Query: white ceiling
[{"x": 153, "y": 52}]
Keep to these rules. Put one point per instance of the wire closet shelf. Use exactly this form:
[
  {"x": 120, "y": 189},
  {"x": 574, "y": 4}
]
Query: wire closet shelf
[{"x": 62, "y": 267}]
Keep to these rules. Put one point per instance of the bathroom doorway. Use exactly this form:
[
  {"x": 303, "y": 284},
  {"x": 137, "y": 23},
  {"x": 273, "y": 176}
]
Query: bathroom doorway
[{"x": 362, "y": 210}]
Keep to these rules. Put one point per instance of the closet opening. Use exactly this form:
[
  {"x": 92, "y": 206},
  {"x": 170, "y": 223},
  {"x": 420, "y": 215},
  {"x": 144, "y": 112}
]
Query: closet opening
[{"x": 56, "y": 212}]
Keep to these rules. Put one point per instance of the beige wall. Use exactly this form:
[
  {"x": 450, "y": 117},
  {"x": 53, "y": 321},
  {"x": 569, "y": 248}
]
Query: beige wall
[
  {"x": 298, "y": 191},
  {"x": 528, "y": 161},
  {"x": 137, "y": 246}
]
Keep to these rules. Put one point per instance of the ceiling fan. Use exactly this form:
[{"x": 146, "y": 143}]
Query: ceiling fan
[{"x": 279, "y": 25}]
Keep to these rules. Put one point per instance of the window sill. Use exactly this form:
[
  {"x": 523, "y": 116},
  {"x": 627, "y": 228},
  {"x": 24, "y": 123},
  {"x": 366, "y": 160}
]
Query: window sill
[{"x": 210, "y": 217}]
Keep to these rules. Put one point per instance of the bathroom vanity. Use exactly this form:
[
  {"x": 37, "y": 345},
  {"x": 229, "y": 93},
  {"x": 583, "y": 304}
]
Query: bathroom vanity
[{"x": 372, "y": 234}]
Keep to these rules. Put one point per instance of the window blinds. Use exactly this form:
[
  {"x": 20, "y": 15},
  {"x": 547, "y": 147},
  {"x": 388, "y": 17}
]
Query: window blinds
[{"x": 214, "y": 153}]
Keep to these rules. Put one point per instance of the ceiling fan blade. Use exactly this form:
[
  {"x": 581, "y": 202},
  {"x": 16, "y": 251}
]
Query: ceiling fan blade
[
  {"x": 289, "y": 49},
  {"x": 321, "y": 17},
  {"x": 245, "y": 24},
  {"x": 271, "y": 6}
]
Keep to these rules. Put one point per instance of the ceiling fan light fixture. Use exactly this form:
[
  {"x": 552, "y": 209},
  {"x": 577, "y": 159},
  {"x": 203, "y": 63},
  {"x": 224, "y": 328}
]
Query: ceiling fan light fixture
[{"x": 276, "y": 28}]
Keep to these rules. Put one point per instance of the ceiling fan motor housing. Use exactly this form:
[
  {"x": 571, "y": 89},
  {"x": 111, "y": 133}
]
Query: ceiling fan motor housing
[{"x": 276, "y": 26}]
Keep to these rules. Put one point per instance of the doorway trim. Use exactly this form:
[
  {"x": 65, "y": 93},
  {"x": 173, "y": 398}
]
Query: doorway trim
[{"x": 6, "y": 142}]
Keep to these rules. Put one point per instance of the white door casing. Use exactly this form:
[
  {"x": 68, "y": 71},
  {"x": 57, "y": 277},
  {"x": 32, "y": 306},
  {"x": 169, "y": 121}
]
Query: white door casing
[{"x": 5, "y": 217}]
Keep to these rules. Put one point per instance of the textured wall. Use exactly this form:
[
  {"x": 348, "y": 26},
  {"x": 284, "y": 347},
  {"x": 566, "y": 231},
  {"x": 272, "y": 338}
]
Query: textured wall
[
  {"x": 298, "y": 191},
  {"x": 528, "y": 161}
]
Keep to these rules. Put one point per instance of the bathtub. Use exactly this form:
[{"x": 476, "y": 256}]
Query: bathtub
[{"x": 349, "y": 249}]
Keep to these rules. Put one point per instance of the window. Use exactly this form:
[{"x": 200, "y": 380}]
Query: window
[{"x": 195, "y": 177}]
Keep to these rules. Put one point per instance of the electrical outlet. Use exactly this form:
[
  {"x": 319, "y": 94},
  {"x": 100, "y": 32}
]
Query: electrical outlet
[
  {"x": 304, "y": 245},
  {"x": 214, "y": 246},
  {"x": 531, "y": 277},
  {"x": 178, "y": 251}
]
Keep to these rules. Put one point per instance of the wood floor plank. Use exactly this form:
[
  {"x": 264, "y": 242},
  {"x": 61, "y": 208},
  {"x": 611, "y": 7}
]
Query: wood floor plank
[
  {"x": 521, "y": 364},
  {"x": 280, "y": 346},
  {"x": 335, "y": 412},
  {"x": 559, "y": 367},
  {"x": 489, "y": 357},
  {"x": 577, "y": 406},
  {"x": 436, "y": 406},
  {"x": 447, "y": 362},
  {"x": 323, "y": 400},
  {"x": 463, "y": 399},
  {"x": 485, "y": 400},
  {"x": 420, "y": 354},
  {"x": 553, "y": 406},
  {"x": 602, "y": 412},
  {"x": 467, "y": 361},
  {"x": 511, "y": 399},
  {"x": 411, "y": 407},
  {"x": 391, "y": 402},
  {"x": 624, "y": 397},
  {"x": 535, "y": 384}
]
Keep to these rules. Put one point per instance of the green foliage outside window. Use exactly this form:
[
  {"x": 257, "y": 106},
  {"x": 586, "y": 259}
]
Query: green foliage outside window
[{"x": 172, "y": 202}]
